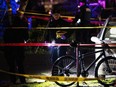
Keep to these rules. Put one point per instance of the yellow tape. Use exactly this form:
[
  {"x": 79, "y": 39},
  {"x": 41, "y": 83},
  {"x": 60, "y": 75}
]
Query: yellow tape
[
  {"x": 40, "y": 14},
  {"x": 51, "y": 78},
  {"x": 99, "y": 27}
]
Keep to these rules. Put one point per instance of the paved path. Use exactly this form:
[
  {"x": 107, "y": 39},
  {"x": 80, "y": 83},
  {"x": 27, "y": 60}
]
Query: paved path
[{"x": 38, "y": 65}]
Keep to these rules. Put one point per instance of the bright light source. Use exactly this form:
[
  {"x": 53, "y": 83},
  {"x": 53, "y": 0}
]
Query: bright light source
[
  {"x": 79, "y": 20},
  {"x": 52, "y": 43},
  {"x": 16, "y": 0}
]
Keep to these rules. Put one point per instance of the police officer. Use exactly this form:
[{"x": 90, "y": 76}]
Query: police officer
[
  {"x": 58, "y": 35},
  {"x": 82, "y": 19}
]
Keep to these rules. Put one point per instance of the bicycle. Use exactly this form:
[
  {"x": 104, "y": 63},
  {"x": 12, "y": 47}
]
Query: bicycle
[{"x": 66, "y": 66}]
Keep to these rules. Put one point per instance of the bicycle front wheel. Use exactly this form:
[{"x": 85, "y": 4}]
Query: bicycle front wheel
[
  {"x": 106, "y": 71},
  {"x": 64, "y": 66}
]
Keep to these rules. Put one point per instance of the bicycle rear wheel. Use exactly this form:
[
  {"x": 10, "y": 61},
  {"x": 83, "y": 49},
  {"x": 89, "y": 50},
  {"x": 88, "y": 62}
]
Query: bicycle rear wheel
[
  {"x": 64, "y": 66},
  {"x": 106, "y": 71}
]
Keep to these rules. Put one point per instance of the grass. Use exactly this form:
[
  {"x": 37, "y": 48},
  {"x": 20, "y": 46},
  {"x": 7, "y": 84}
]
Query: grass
[{"x": 53, "y": 84}]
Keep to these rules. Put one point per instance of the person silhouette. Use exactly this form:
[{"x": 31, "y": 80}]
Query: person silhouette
[
  {"x": 15, "y": 55},
  {"x": 58, "y": 35},
  {"x": 82, "y": 19}
]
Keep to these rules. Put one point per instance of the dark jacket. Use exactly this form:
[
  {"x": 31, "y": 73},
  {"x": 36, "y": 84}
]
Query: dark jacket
[
  {"x": 16, "y": 35},
  {"x": 83, "y": 15},
  {"x": 52, "y": 32}
]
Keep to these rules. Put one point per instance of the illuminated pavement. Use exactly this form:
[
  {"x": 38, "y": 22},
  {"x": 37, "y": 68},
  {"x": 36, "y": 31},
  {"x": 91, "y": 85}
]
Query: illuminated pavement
[{"x": 37, "y": 65}]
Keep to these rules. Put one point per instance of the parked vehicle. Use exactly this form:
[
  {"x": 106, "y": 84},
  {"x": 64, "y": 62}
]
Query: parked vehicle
[{"x": 108, "y": 34}]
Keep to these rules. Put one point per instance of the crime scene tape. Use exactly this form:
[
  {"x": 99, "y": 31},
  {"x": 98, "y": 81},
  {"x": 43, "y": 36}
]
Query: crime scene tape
[
  {"x": 112, "y": 45},
  {"x": 32, "y": 44},
  {"x": 48, "y": 15},
  {"x": 51, "y": 78},
  {"x": 96, "y": 27},
  {"x": 40, "y": 14}
]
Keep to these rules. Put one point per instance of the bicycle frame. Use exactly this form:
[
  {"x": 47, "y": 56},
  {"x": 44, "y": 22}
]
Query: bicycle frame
[{"x": 81, "y": 61}]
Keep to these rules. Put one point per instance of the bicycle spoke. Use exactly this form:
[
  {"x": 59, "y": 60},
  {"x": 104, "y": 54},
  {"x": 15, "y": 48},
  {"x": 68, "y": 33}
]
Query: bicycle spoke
[
  {"x": 106, "y": 71},
  {"x": 65, "y": 66}
]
